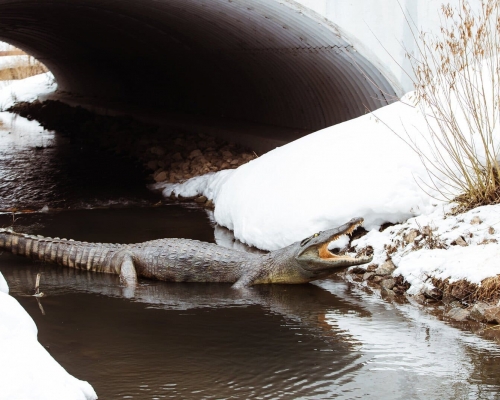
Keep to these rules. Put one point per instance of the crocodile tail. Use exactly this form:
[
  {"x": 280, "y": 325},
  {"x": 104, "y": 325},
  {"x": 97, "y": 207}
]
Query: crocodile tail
[{"x": 64, "y": 252}]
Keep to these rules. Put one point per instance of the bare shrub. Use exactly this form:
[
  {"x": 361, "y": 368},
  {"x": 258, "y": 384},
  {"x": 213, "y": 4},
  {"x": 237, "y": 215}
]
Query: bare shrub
[{"x": 457, "y": 89}]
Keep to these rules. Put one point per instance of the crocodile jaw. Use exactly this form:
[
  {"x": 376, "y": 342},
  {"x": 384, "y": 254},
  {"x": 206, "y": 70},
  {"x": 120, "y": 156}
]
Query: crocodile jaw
[{"x": 314, "y": 255}]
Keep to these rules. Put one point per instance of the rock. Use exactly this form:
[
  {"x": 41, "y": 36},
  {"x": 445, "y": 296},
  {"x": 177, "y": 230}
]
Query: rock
[
  {"x": 160, "y": 177},
  {"x": 195, "y": 153},
  {"x": 209, "y": 204},
  {"x": 227, "y": 154},
  {"x": 492, "y": 314},
  {"x": 477, "y": 312},
  {"x": 235, "y": 162},
  {"x": 483, "y": 312},
  {"x": 201, "y": 199},
  {"x": 159, "y": 151},
  {"x": 388, "y": 283},
  {"x": 371, "y": 267},
  {"x": 491, "y": 230},
  {"x": 357, "y": 270},
  {"x": 476, "y": 220},
  {"x": 386, "y": 268},
  {"x": 177, "y": 157},
  {"x": 153, "y": 164},
  {"x": 458, "y": 314},
  {"x": 399, "y": 289},
  {"x": 419, "y": 298},
  {"x": 460, "y": 241},
  {"x": 433, "y": 293},
  {"x": 368, "y": 275},
  {"x": 225, "y": 165},
  {"x": 377, "y": 279},
  {"x": 410, "y": 236},
  {"x": 387, "y": 293}
]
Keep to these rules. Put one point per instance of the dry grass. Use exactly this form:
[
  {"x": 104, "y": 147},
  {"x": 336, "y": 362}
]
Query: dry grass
[
  {"x": 20, "y": 68},
  {"x": 22, "y": 71},
  {"x": 457, "y": 77},
  {"x": 469, "y": 293}
]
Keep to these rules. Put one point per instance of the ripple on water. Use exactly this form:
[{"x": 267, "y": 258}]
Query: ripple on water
[{"x": 42, "y": 168}]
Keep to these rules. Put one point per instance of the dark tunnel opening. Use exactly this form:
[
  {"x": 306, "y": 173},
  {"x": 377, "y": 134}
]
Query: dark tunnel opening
[{"x": 262, "y": 61}]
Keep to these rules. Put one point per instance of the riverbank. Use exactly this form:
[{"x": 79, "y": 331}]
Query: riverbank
[{"x": 167, "y": 156}]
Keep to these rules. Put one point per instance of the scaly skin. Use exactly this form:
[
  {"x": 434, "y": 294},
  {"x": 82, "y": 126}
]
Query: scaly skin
[{"x": 184, "y": 260}]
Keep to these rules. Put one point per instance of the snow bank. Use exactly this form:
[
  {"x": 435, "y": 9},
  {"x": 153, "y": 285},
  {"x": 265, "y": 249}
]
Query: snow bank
[
  {"x": 470, "y": 263},
  {"x": 28, "y": 89},
  {"x": 359, "y": 168},
  {"x": 479, "y": 259},
  {"x": 27, "y": 371},
  {"x": 4, "y": 288}
]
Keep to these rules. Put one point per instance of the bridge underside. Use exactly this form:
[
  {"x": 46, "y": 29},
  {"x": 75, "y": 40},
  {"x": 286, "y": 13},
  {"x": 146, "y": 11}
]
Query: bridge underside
[{"x": 263, "y": 61}]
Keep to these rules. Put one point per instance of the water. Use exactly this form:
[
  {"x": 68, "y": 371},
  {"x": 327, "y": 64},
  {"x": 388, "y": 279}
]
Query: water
[
  {"x": 41, "y": 168},
  {"x": 328, "y": 340}
]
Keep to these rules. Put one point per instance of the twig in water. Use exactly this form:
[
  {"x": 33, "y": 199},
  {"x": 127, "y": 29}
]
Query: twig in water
[
  {"x": 38, "y": 294},
  {"x": 40, "y": 305},
  {"x": 37, "y": 286}
]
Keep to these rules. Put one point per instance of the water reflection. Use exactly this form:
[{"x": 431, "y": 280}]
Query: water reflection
[
  {"x": 41, "y": 168},
  {"x": 312, "y": 341},
  {"x": 193, "y": 340},
  {"x": 413, "y": 352}
]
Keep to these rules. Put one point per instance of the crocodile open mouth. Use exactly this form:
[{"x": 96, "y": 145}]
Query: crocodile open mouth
[{"x": 325, "y": 253}]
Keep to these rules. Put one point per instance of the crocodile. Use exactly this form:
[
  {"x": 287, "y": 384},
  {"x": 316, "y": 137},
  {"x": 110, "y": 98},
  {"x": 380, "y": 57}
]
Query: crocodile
[{"x": 185, "y": 260}]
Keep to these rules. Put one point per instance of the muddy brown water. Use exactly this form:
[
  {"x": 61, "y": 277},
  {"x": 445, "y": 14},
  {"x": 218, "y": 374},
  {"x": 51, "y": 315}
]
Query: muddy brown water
[{"x": 327, "y": 340}]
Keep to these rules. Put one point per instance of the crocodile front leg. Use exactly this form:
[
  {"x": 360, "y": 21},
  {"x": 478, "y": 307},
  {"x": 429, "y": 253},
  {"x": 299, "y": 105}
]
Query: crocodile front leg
[{"x": 128, "y": 275}]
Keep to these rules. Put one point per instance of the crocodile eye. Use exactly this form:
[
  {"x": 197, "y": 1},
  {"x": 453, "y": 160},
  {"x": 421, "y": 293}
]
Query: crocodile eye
[{"x": 307, "y": 240}]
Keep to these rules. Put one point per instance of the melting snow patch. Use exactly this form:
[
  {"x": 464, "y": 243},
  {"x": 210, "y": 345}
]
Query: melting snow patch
[
  {"x": 27, "y": 371},
  {"x": 28, "y": 89}
]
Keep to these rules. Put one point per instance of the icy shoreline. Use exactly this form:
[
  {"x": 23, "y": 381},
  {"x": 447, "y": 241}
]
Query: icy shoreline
[{"x": 28, "y": 371}]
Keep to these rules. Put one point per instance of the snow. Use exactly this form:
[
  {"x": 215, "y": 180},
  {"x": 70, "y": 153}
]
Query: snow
[
  {"x": 359, "y": 168},
  {"x": 4, "y": 287},
  {"x": 480, "y": 259},
  {"x": 27, "y": 370},
  {"x": 28, "y": 89}
]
